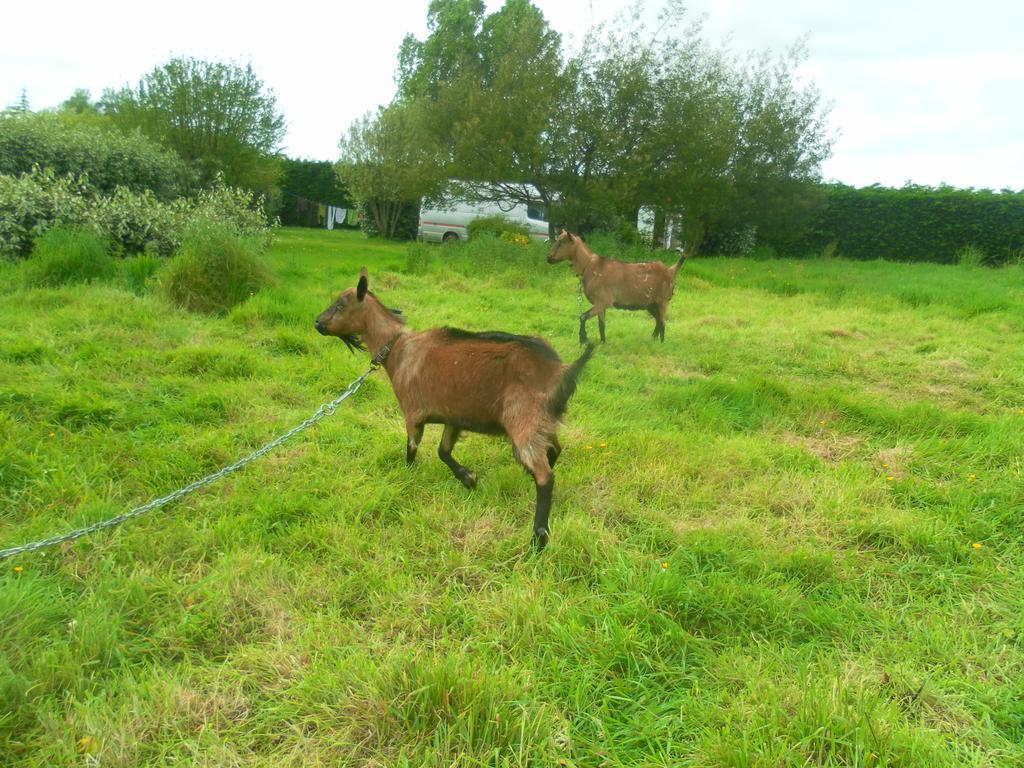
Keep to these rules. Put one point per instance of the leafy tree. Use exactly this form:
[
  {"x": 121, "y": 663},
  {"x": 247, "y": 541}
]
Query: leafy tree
[
  {"x": 636, "y": 117},
  {"x": 387, "y": 165},
  {"x": 776, "y": 161},
  {"x": 219, "y": 117},
  {"x": 314, "y": 180},
  {"x": 486, "y": 88},
  {"x": 72, "y": 145},
  {"x": 80, "y": 109},
  {"x": 306, "y": 180},
  {"x": 19, "y": 107},
  {"x": 80, "y": 102}
]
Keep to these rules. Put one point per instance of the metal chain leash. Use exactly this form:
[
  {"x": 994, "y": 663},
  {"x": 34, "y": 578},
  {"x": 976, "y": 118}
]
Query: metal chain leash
[
  {"x": 321, "y": 413},
  {"x": 579, "y": 295}
]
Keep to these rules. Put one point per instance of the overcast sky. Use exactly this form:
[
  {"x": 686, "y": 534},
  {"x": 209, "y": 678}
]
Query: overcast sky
[{"x": 925, "y": 92}]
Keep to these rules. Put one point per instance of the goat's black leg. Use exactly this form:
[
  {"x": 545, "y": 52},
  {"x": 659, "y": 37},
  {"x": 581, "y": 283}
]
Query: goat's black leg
[
  {"x": 415, "y": 434},
  {"x": 540, "y": 517},
  {"x": 583, "y": 323},
  {"x": 554, "y": 451},
  {"x": 444, "y": 451},
  {"x": 659, "y": 321}
]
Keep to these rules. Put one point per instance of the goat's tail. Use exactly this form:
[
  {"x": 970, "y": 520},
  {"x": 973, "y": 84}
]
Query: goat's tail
[
  {"x": 567, "y": 386},
  {"x": 675, "y": 267}
]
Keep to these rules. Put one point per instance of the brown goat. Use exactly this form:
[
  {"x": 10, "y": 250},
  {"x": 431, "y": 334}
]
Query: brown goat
[
  {"x": 494, "y": 383},
  {"x": 608, "y": 283}
]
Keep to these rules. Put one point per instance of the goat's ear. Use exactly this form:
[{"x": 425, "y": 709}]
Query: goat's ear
[
  {"x": 364, "y": 282},
  {"x": 570, "y": 235}
]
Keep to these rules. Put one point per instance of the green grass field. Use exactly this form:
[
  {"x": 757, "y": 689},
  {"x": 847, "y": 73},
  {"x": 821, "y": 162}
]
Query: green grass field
[{"x": 791, "y": 535}]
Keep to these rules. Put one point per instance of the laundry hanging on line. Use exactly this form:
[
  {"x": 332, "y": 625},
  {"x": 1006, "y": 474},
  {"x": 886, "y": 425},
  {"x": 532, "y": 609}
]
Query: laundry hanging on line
[{"x": 335, "y": 215}]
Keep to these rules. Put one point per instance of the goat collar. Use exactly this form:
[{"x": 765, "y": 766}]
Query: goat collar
[{"x": 381, "y": 356}]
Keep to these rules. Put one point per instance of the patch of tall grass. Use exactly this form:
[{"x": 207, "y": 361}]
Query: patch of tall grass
[
  {"x": 137, "y": 272},
  {"x": 215, "y": 270},
  {"x": 66, "y": 255}
]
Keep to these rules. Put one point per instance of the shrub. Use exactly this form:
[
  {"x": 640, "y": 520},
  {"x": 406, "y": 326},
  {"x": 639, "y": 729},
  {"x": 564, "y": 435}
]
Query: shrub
[
  {"x": 135, "y": 222},
  {"x": 417, "y": 258},
  {"x": 515, "y": 238},
  {"x": 236, "y": 209},
  {"x": 32, "y": 203},
  {"x": 764, "y": 252},
  {"x": 737, "y": 242},
  {"x": 609, "y": 244},
  {"x": 107, "y": 158},
  {"x": 969, "y": 256},
  {"x": 136, "y": 272},
  {"x": 69, "y": 255},
  {"x": 214, "y": 270},
  {"x": 495, "y": 226},
  {"x": 488, "y": 253},
  {"x": 920, "y": 223}
]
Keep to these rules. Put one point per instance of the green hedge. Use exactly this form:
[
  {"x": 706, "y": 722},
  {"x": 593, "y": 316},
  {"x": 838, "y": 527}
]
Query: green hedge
[
  {"x": 919, "y": 224},
  {"x": 135, "y": 222},
  {"x": 104, "y": 158}
]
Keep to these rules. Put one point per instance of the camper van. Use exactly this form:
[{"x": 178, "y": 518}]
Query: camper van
[{"x": 443, "y": 225}]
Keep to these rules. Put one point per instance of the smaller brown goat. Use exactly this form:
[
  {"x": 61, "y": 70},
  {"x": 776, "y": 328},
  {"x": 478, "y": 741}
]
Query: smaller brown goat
[
  {"x": 608, "y": 283},
  {"x": 494, "y": 383}
]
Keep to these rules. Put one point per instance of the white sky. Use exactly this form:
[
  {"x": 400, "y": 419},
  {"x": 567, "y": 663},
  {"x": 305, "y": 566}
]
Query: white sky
[{"x": 922, "y": 91}]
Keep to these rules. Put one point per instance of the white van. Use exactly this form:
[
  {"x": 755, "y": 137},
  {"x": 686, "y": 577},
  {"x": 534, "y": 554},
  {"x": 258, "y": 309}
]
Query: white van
[{"x": 443, "y": 225}]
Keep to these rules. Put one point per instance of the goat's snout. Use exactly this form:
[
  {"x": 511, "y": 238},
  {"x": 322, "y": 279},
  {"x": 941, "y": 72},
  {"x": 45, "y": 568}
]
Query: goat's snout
[{"x": 320, "y": 327}]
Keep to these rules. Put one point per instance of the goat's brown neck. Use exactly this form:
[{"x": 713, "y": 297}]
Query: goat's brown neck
[
  {"x": 381, "y": 327},
  {"x": 582, "y": 259}
]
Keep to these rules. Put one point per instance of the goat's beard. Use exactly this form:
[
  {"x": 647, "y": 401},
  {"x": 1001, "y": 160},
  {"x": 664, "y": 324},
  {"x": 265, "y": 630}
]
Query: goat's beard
[{"x": 353, "y": 342}]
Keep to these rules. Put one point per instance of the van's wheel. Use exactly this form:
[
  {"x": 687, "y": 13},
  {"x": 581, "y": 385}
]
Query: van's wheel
[{"x": 450, "y": 237}]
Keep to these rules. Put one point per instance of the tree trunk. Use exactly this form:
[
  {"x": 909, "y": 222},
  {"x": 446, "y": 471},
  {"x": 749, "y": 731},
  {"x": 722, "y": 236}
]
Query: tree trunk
[{"x": 659, "y": 227}]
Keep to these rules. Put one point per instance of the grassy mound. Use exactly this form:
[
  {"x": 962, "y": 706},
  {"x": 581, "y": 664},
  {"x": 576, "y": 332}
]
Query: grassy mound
[
  {"x": 66, "y": 255},
  {"x": 214, "y": 270}
]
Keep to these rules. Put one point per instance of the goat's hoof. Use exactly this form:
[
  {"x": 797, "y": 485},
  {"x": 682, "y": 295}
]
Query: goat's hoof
[
  {"x": 468, "y": 479},
  {"x": 540, "y": 538}
]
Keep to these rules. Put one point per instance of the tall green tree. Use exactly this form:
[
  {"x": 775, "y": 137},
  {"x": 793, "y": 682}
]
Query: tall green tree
[
  {"x": 387, "y": 165},
  {"x": 80, "y": 102},
  {"x": 639, "y": 116},
  {"x": 781, "y": 142},
  {"x": 485, "y": 88},
  {"x": 220, "y": 117},
  {"x": 105, "y": 159}
]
